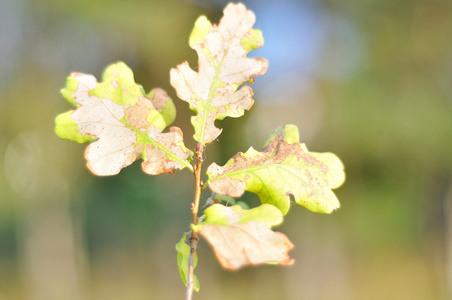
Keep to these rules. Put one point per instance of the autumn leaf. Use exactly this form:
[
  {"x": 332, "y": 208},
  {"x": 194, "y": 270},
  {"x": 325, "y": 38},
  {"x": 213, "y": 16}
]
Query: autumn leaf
[
  {"x": 285, "y": 168},
  {"x": 243, "y": 237},
  {"x": 222, "y": 67},
  {"x": 123, "y": 123},
  {"x": 183, "y": 255}
]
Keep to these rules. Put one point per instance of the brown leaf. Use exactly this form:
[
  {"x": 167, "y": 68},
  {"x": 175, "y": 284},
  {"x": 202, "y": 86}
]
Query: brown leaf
[
  {"x": 124, "y": 122},
  {"x": 242, "y": 244},
  {"x": 212, "y": 91},
  {"x": 242, "y": 237}
]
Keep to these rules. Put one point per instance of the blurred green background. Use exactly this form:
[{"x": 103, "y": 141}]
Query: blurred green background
[{"x": 368, "y": 80}]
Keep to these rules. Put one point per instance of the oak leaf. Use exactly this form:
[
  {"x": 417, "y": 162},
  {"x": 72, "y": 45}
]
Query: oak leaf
[
  {"x": 243, "y": 237},
  {"x": 123, "y": 123},
  {"x": 285, "y": 168},
  {"x": 222, "y": 67}
]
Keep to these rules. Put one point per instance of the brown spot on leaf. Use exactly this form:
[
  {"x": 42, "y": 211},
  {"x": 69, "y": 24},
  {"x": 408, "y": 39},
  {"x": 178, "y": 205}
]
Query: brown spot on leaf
[
  {"x": 229, "y": 186},
  {"x": 136, "y": 114},
  {"x": 159, "y": 99},
  {"x": 157, "y": 161},
  {"x": 115, "y": 84}
]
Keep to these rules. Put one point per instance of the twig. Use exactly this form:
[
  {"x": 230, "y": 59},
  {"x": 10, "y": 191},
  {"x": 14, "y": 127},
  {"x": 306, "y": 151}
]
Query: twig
[{"x": 194, "y": 212}]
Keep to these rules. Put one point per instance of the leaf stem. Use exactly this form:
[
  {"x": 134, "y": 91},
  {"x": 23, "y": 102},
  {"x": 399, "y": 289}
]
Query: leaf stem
[{"x": 194, "y": 221}]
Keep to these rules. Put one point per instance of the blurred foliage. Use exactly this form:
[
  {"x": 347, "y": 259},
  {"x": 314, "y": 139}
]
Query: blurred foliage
[{"x": 379, "y": 86}]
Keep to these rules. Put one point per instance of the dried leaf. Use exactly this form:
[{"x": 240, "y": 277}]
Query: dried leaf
[
  {"x": 125, "y": 123},
  {"x": 284, "y": 168},
  {"x": 243, "y": 237},
  {"x": 212, "y": 91}
]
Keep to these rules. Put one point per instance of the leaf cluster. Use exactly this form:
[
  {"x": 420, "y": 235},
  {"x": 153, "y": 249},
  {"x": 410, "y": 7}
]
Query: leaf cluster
[{"x": 123, "y": 123}]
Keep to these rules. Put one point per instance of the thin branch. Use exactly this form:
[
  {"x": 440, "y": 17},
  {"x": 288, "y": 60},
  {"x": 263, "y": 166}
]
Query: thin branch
[{"x": 194, "y": 212}]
